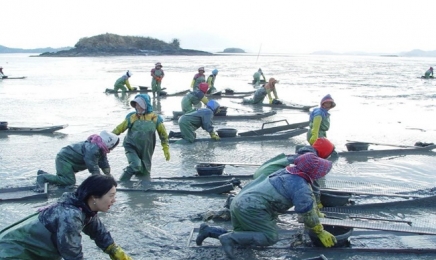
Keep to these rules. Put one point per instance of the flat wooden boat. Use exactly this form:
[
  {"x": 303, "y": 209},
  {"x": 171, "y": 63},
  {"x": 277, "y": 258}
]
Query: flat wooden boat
[{"x": 32, "y": 130}]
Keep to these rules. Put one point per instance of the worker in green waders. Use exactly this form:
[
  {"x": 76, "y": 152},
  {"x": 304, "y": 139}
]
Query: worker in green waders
[
  {"x": 140, "y": 141},
  {"x": 157, "y": 75},
  {"x": 123, "y": 82},
  {"x": 211, "y": 81},
  {"x": 194, "y": 98},
  {"x": 202, "y": 117},
  {"x": 254, "y": 211},
  {"x": 256, "y": 77}
]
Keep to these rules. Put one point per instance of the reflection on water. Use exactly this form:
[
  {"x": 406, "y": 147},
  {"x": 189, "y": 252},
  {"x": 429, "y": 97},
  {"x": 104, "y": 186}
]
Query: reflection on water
[{"x": 382, "y": 102}]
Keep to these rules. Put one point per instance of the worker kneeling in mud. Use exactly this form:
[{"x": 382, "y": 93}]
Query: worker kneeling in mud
[
  {"x": 191, "y": 121},
  {"x": 264, "y": 91},
  {"x": 322, "y": 147},
  {"x": 255, "y": 209}
]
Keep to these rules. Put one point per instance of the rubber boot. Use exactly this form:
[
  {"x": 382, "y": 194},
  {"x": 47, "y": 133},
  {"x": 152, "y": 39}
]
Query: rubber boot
[
  {"x": 174, "y": 134},
  {"x": 126, "y": 176},
  {"x": 207, "y": 231},
  {"x": 243, "y": 238},
  {"x": 39, "y": 172}
]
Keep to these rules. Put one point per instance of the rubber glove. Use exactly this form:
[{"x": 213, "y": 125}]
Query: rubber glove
[
  {"x": 192, "y": 83},
  {"x": 319, "y": 205},
  {"x": 204, "y": 100},
  {"x": 166, "y": 150},
  {"x": 326, "y": 238},
  {"x": 214, "y": 136},
  {"x": 319, "y": 213},
  {"x": 315, "y": 129},
  {"x": 117, "y": 253}
]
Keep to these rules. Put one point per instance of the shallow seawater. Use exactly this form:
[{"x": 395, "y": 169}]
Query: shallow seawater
[{"x": 379, "y": 100}]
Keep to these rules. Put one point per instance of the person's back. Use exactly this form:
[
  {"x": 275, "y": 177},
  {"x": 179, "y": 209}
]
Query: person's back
[
  {"x": 258, "y": 96},
  {"x": 202, "y": 117},
  {"x": 198, "y": 118},
  {"x": 194, "y": 98}
]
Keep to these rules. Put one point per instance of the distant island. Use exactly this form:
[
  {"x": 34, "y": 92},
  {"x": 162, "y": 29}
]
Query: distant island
[
  {"x": 115, "y": 45},
  {"x": 233, "y": 50}
]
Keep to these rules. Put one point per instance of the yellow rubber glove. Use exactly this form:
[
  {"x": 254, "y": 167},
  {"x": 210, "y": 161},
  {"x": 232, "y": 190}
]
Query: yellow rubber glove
[
  {"x": 117, "y": 253},
  {"x": 319, "y": 213},
  {"x": 204, "y": 100},
  {"x": 319, "y": 205},
  {"x": 315, "y": 129},
  {"x": 326, "y": 238},
  {"x": 192, "y": 83},
  {"x": 214, "y": 136},
  {"x": 166, "y": 150}
]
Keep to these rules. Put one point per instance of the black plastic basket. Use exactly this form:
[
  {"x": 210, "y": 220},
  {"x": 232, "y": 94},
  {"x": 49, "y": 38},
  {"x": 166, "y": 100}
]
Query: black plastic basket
[
  {"x": 357, "y": 146},
  {"x": 223, "y": 112},
  {"x": 210, "y": 169},
  {"x": 342, "y": 235},
  {"x": 329, "y": 199},
  {"x": 226, "y": 132}
]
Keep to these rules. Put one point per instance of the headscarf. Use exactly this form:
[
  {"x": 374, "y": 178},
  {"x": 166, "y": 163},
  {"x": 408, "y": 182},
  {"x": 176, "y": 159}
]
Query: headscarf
[
  {"x": 96, "y": 139},
  {"x": 310, "y": 167}
]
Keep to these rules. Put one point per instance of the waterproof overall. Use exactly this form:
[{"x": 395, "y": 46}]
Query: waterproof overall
[
  {"x": 198, "y": 78},
  {"x": 255, "y": 209},
  {"x": 156, "y": 84},
  {"x": 211, "y": 83},
  {"x": 139, "y": 145},
  {"x": 27, "y": 239},
  {"x": 325, "y": 122},
  {"x": 119, "y": 84},
  {"x": 256, "y": 78},
  {"x": 74, "y": 158},
  {"x": 190, "y": 122},
  {"x": 257, "y": 98},
  {"x": 192, "y": 99}
]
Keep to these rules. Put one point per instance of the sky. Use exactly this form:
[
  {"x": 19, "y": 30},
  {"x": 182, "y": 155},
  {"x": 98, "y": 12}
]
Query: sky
[{"x": 268, "y": 26}]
